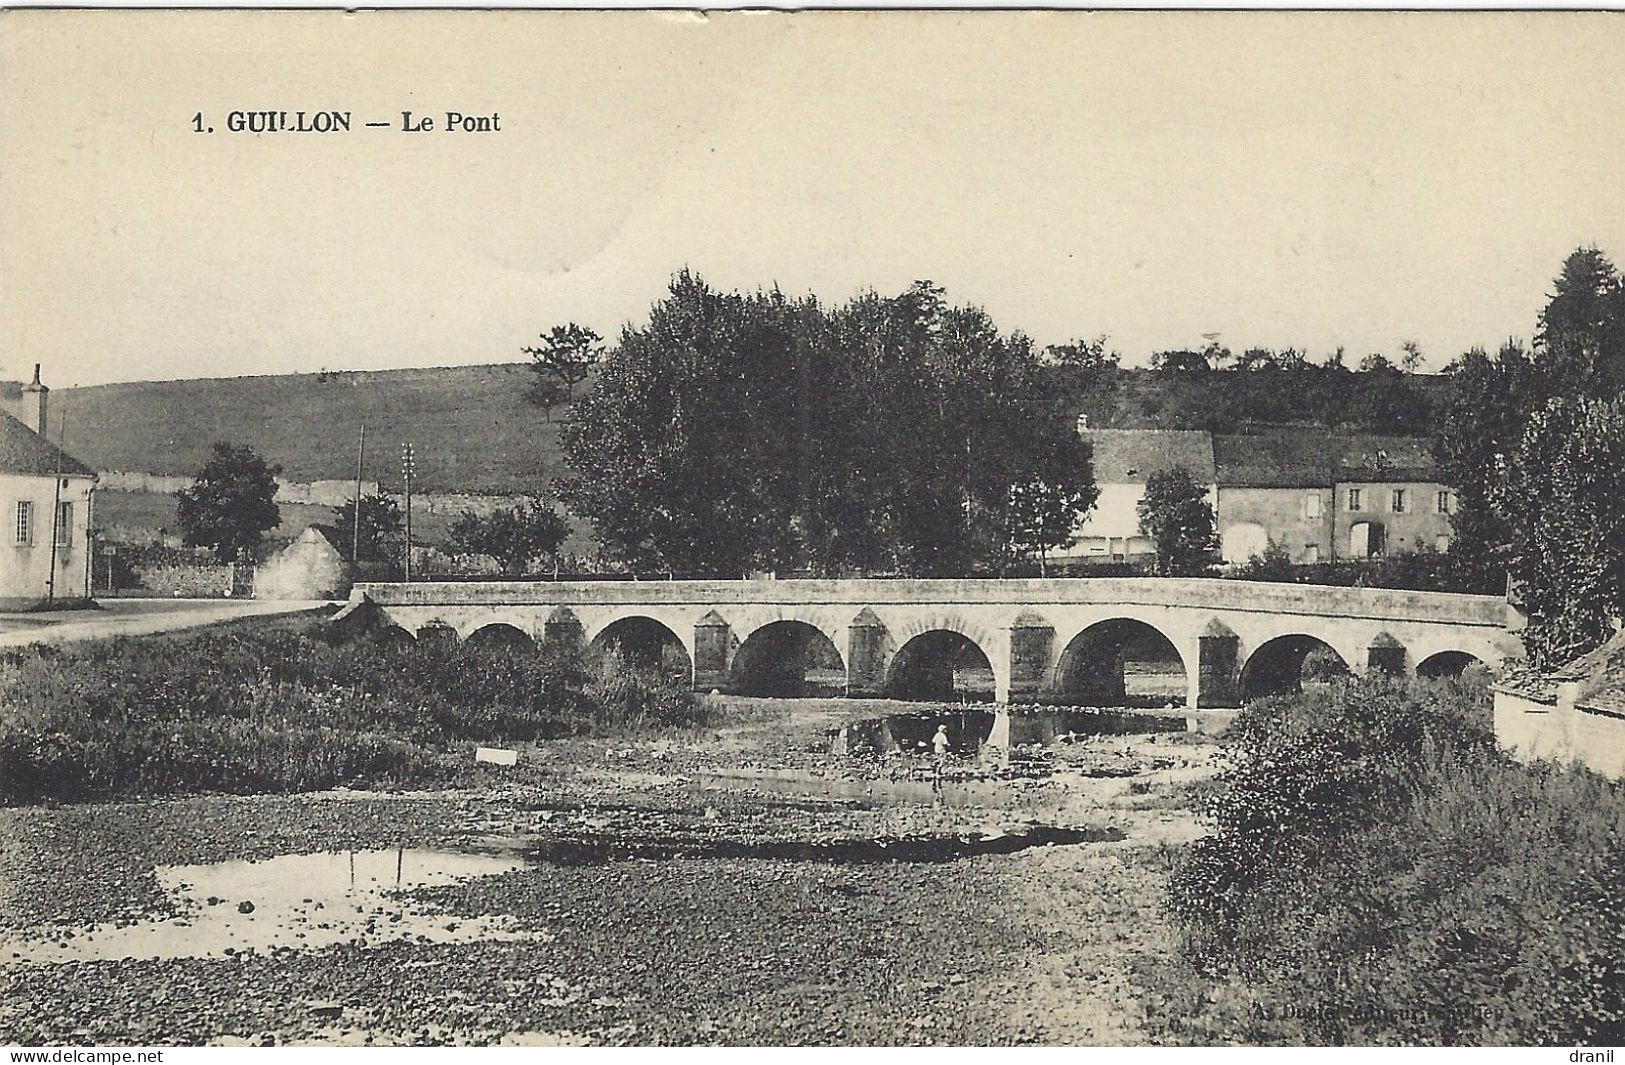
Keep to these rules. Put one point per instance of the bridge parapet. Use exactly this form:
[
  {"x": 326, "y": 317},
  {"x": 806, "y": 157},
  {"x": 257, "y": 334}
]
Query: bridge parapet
[{"x": 1230, "y": 596}]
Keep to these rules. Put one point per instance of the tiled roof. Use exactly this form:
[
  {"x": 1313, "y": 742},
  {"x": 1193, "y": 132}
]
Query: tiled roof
[
  {"x": 1600, "y": 674},
  {"x": 1607, "y": 659},
  {"x": 1609, "y": 701},
  {"x": 1369, "y": 457},
  {"x": 1131, "y": 455},
  {"x": 1287, "y": 458},
  {"x": 1307, "y": 458},
  {"x": 24, "y": 451}
]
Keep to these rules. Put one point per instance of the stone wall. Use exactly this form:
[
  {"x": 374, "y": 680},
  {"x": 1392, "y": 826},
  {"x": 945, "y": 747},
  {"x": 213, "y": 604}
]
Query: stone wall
[
  {"x": 1535, "y": 729},
  {"x": 187, "y": 580},
  {"x": 318, "y": 493}
]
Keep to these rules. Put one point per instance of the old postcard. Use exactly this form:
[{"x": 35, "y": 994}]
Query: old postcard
[{"x": 949, "y": 528}]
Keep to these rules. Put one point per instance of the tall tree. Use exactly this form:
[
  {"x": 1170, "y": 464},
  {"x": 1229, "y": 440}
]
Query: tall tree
[
  {"x": 736, "y": 432},
  {"x": 380, "y": 521},
  {"x": 1045, "y": 517},
  {"x": 1581, "y": 339},
  {"x": 1564, "y": 500},
  {"x": 231, "y": 504},
  {"x": 1480, "y": 426},
  {"x": 565, "y": 357},
  {"x": 682, "y": 450},
  {"x": 1176, "y": 515}
]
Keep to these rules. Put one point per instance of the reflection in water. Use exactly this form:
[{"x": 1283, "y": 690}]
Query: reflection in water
[
  {"x": 599, "y": 849},
  {"x": 301, "y": 901}
]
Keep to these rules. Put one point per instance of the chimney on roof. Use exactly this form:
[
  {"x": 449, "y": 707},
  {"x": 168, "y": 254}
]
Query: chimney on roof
[
  {"x": 1083, "y": 424},
  {"x": 35, "y": 396}
]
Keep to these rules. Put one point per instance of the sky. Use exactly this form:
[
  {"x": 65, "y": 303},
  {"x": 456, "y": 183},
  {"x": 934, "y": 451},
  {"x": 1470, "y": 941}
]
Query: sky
[{"x": 1315, "y": 180}]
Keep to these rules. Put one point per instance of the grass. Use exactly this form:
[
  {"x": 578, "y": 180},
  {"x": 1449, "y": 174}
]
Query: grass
[
  {"x": 274, "y": 707},
  {"x": 471, "y": 428}
]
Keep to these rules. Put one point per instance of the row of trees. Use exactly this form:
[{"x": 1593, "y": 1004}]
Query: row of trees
[
  {"x": 1211, "y": 388},
  {"x": 892, "y": 434},
  {"x": 231, "y": 505}
]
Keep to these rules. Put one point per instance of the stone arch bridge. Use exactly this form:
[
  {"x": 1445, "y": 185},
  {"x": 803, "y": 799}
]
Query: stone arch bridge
[{"x": 1031, "y": 640}]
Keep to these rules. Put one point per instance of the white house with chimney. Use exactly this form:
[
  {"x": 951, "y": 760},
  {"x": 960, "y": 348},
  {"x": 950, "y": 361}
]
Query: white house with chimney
[{"x": 45, "y": 506}]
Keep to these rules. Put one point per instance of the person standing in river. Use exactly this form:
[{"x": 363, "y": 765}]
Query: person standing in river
[{"x": 939, "y": 748}]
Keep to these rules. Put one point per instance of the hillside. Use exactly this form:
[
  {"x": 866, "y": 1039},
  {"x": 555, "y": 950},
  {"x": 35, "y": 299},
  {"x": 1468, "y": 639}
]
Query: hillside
[
  {"x": 470, "y": 426},
  {"x": 474, "y": 432}
]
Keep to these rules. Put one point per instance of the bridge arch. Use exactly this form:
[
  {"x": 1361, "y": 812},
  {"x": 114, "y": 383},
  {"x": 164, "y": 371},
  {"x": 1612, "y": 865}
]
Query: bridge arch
[
  {"x": 1281, "y": 665},
  {"x": 787, "y": 658},
  {"x": 1120, "y": 661},
  {"x": 941, "y": 664},
  {"x": 436, "y": 631},
  {"x": 393, "y": 635},
  {"x": 499, "y": 634},
  {"x": 645, "y": 640},
  {"x": 1452, "y": 663}
]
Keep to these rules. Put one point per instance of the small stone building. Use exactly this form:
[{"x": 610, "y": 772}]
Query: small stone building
[
  {"x": 1574, "y": 714},
  {"x": 315, "y": 565}
]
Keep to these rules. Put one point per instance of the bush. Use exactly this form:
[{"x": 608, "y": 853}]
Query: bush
[
  {"x": 1382, "y": 874},
  {"x": 1424, "y": 569},
  {"x": 251, "y": 709}
]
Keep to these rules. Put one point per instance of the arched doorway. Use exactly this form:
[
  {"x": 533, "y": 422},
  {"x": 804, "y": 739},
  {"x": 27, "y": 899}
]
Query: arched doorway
[
  {"x": 788, "y": 659},
  {"x": 940, "y": 666},
  {"x": 644, "y": 642},
  {"x": 1449, "y": 664},
  {"x": 1284, "y": 665},
  {"x": 499, "y": 634},
  {"x": 1367, "y": 539},
  {"x": 1120, "y": 662}
]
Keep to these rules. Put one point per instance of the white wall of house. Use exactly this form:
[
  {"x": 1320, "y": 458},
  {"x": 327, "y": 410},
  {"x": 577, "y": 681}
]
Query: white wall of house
[
  {"x": 308, "y": 568},
  {"x": 26, "y": 526},
  {"x": 1112, "y": 528},
  {"x": 1561, "y": 730}
]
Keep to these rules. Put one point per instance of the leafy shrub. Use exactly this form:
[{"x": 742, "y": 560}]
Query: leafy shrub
[
  {"x": 626, "y": 694},
  {"x": 250, "y": 709},
  {"x": 1381, "y": 874}
]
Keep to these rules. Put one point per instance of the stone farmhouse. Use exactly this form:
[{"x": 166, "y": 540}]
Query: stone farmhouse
[
  {"x": 1323, "y": 496},
  {"x": 46, "y": 499}
]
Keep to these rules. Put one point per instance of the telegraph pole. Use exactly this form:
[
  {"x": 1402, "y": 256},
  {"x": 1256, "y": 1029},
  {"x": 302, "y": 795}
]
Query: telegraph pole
[
  {"x": 355, "y": 531},
  {"x": 407, "y": 470},
  {"x": 56, "y": 502}
]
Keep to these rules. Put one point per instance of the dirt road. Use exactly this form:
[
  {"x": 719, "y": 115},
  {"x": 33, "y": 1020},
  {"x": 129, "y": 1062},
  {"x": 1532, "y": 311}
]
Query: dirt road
[{"x": 135, "y": 617}]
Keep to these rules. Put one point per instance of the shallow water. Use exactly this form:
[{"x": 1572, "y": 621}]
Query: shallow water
[
  {"x": 864, "y": 793},
  {"x": 299, "y": 901}
]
